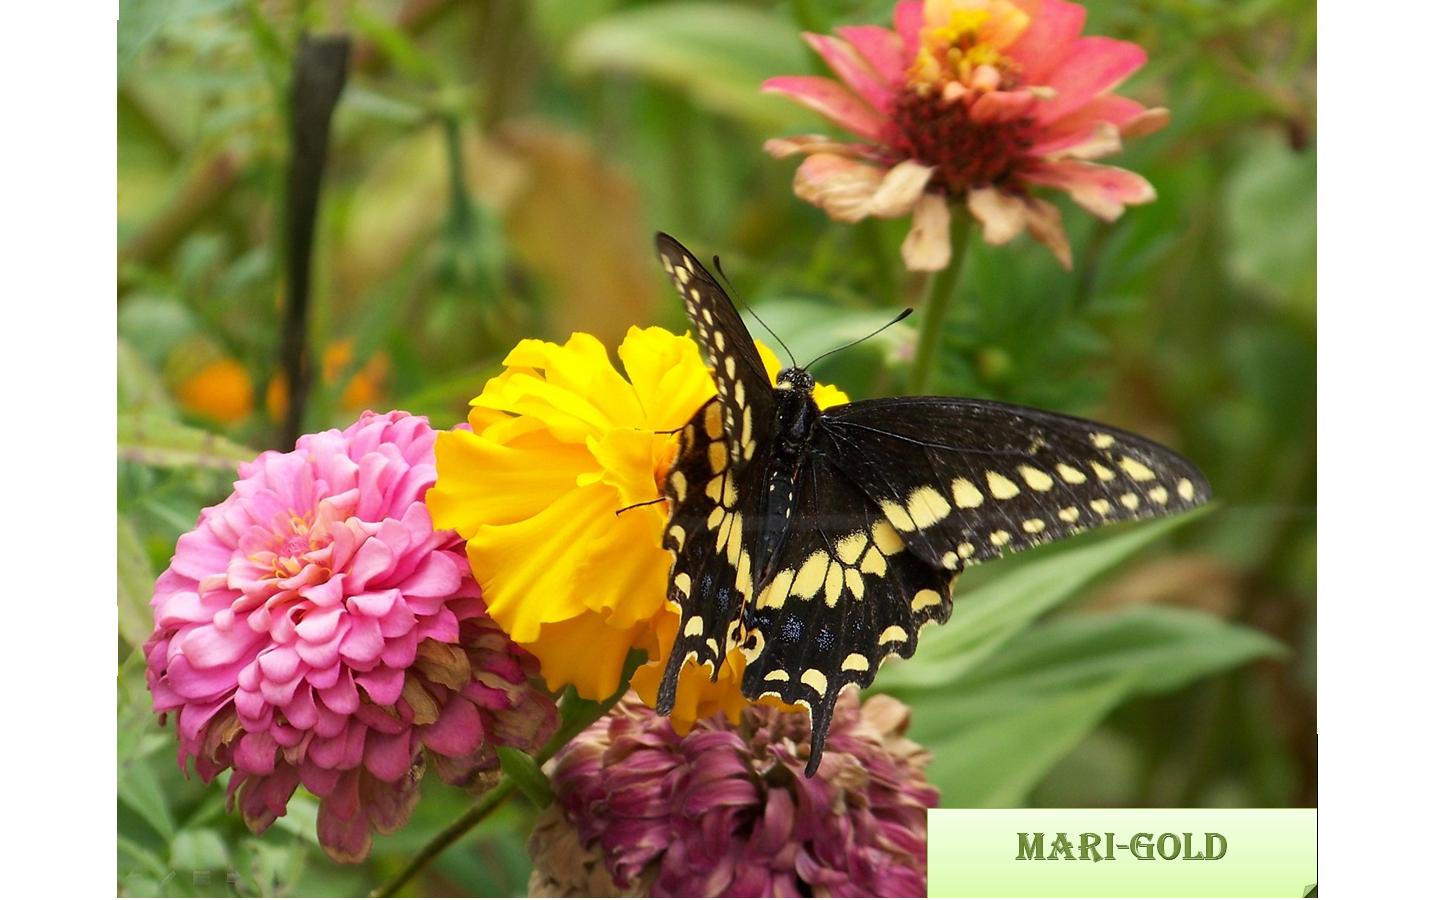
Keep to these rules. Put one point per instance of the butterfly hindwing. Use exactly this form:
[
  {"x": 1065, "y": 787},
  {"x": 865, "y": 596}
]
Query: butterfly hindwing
[
  {"x": 969, "y": 480},
  {"x": 739, "y": 373},
  {"x": 845, "y": 594}
]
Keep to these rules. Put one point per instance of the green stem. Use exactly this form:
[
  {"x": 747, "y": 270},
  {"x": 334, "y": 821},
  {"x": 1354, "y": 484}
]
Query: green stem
[
  {"x": 442, "y": 841},
  {"x": 942, "y": 289},
  {"x": 589, "y": 713}
]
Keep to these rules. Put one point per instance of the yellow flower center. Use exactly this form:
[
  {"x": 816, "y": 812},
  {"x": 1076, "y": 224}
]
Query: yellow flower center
[{"x": 963, "y": 43}]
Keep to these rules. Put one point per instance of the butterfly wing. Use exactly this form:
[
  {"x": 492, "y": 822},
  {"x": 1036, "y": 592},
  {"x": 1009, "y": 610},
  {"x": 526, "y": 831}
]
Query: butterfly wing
[
  {"x": 710, "y": 576},
  {"x": 740, "y": 380},
  {"x": 969, "y": 480},
  {"x": 713, "y": 487},
  {"x": 846, "y": 594}
]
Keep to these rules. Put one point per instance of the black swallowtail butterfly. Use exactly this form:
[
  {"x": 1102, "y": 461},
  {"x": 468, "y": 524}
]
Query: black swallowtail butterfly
[{"x": 819, "y": 542}]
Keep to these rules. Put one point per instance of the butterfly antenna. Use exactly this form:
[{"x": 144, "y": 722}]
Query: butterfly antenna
[
  {"x": 899, "y": 318},
  {"x": 730, "y": 284}
]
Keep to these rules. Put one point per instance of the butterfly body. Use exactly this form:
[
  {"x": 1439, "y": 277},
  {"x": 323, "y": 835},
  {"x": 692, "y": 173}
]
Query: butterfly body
[{"x": 819, "y": 542}]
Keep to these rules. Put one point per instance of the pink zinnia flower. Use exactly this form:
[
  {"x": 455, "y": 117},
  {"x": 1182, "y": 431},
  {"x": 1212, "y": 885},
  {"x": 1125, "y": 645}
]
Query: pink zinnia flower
[
  {"x": 973, "y": 100},
  {"x": 315, "y": 629},
  {"x": 726, "y": 810}
]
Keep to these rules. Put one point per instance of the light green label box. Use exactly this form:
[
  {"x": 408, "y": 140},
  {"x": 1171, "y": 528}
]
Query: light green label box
[{"x": 1122, "y": 852}]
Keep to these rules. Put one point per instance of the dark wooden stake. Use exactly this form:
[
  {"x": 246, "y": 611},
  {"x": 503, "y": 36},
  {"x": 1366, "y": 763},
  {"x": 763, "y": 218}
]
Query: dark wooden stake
[{"x": 320, "y": 70}]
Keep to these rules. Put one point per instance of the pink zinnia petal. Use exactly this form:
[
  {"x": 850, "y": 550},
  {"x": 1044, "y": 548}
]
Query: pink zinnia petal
[
  {"x": 1104, "y": 191},
  {"x": 831, "y": 100},
  {"x": 1094, "y": 66},
  {"x": 881, "y": 48},
  {"x": 302, "y": 673},
  {"x": 852, "y": 70}
]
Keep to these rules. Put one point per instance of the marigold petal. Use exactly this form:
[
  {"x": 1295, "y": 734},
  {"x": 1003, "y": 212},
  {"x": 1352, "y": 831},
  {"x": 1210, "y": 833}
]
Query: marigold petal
[
  {"x": 484, "y": 481},
  {"x": 528, "y": 569},
  {"x": 584, "y": 651},
  {"x": 831, "y": 100},
  {"x": 668, "y": 377}
]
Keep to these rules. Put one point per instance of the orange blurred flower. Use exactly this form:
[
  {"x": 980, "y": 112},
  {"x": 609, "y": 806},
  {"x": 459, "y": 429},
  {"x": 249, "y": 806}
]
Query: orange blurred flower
[{"x": 220, "y": 391}]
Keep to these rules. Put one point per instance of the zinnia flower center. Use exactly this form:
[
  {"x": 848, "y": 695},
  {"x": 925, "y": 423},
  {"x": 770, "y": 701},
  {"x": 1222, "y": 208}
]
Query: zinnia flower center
[{"x": 966, "y": 153}]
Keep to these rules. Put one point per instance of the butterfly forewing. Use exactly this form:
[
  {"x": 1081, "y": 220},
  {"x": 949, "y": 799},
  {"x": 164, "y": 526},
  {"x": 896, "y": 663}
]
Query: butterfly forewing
[
  {"x": 704, "y": 487},
  {"x": 970, "y": 480},
  {"x": 740, "y": 380},
  {"x": 845, "y": 595}
]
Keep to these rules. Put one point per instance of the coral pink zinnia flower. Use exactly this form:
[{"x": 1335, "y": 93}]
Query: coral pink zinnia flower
[
  {"x": 726, "y": 810},
  {"x": 315, "y": 629},
  {"x": 975, "y": 100}
]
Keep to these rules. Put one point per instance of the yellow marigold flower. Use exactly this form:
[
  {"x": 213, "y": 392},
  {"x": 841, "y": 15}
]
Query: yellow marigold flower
[{"x": 557, "y": 443}]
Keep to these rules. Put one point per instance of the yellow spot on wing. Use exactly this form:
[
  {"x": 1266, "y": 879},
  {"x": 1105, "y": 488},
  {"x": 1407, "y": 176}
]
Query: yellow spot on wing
[
  {"x": 717, "y": 457},
  {"x": 1136, "y": 469},
  {"x": 694, "y": 626},
  {"x": 1069, "y": 474},
  {"x": 966, "y": 550},
  {"x": 777, "y": 675},
  {"x": 1001, "y": 488},
  {"x": 874, "y": 562},
  {"x": 1130, "y": 500},
  {"x": 1000, "y": 538},
  {"x": 1101, "y": 441},
  {"x": 924, "y": 600},
  {"x": 815, "y": 679},
  {"x": 892, "y": 634},
  {"x": 926, "y": 507},
  {"x": 1101, "y": 506},
  {"x": 1069, "y": 514},
  {"x": 677, "y": 482},
  {"x": 712, "y": 421},
  {"x": 811, "y": 575},
  {"x": 1033, "y": 526},
  {"x": 855, "y": 583},
  {"x": 897, "y": 515},
  {"x": 1159, "y": 494},
  {"x": 1185, "y": 489},
  {"x": 967, "y": 496},
  {"x": 849, "y": 547},
  {"x": 1101, "y": 472},
  {"x": 855, "y": 662},
  {"x": 885, "y": 537},
  {"x": 678, "y": 534},
  {"x": 834, "y": 581},
  {"x": 682, "y": 583},
  {"x": 1035, "y": 479}
]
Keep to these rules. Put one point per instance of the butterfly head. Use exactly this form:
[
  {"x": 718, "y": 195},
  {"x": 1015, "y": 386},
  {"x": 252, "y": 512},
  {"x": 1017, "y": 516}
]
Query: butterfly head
[{"x": 795, "y": 379}]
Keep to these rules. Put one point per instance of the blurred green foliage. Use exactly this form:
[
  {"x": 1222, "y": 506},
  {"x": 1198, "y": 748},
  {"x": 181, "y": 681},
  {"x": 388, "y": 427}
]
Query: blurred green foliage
[{"x": 496, "y": 170}]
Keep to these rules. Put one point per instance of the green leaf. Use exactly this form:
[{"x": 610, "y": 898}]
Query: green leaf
[
  {"x": 153, "y": 440},
  {"x": 135, "y": 584},
  {"x": 717, "y": 54},
  {"x": 996, "y": 731},
  {"x": 991, "y": 614},
  {"x": 995, "y": 763},
  {"x": 138, "y": 385},
  {"x": 527, "y": 775},
  {"x": 139, "y": 789}
]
